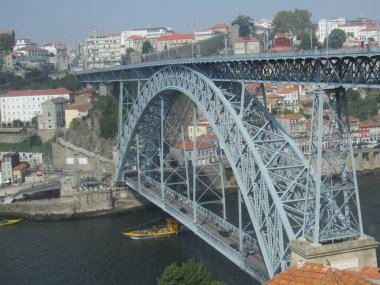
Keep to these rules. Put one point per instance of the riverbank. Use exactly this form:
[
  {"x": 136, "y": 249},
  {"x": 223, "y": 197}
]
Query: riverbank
[{"x": 79, "y": 205}]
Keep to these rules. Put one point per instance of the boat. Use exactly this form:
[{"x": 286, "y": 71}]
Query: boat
[
  {"x": 6, "y": 222},
  {"x": 172, "y": 228}
]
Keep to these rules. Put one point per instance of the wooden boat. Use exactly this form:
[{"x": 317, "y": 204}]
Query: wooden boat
[{"x": 6, "y": 222}]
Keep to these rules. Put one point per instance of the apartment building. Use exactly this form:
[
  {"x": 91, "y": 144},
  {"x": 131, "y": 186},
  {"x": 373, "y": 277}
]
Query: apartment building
[
  {"x": 326, "y": 26},
  {"x": 76, "y": 110},
  {"x": 101, "y": 51},
  {"x": 247, "y": 46},
  {"x": 25, "y": 104}
]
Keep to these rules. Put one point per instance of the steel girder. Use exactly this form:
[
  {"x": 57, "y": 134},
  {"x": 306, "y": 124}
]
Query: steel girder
[
  {"x": 270, "y": 170},
  {"x": 334, "y": 69}
]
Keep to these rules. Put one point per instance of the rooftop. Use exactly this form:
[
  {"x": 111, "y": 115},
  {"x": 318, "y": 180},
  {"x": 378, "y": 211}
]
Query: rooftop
[
  {"x": 58, "y": 91},
  {"x": 79, "y": 107},
  {"x": 171, "y": 37}
]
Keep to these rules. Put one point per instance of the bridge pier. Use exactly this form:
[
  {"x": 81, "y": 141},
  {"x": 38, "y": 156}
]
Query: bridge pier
[{"x": 351, "y": 254}]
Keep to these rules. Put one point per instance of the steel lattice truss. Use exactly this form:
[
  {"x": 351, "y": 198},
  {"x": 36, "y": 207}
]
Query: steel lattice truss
[
  {"x": 351, "y": 69},
  {"x": 274, "y": 178}
]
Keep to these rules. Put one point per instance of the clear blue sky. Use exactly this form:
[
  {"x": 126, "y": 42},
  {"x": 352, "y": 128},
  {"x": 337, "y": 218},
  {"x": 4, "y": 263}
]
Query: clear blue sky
[{"x": 71, "y": 20}]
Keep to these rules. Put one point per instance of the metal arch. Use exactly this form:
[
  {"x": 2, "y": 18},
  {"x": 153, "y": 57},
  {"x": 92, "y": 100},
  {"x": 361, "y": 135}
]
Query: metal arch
[{"x": 268, "y": 167}]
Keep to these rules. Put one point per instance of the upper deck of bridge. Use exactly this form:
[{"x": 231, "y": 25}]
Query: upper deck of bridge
[{"x": 344, "y": 67}]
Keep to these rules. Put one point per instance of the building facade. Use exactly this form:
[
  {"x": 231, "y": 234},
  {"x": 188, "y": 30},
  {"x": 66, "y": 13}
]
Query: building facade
[
  {"x": 326, "y": 26},
  {"x": 247, "y": 46},
  {"x": 25, "y": 104},
  {"x": 101, "y": 51},
  {"x": 53, "y": 114},
  {"x": 76, "y": 110}
]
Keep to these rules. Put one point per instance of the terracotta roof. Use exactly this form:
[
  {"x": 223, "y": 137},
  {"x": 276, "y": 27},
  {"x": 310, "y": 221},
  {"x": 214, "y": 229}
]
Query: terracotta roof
[
  {"x": 135, "y": 37},
  {"x": 247, "y": 40},
  {"x": 371, "y": 273},
  {"x": 375, "y": 117},
  {"x": 287, "y": 90},
  {"x": 313, "y": 273},
  {"x": 289, "y": 117},
  {"x": 58, "y": 91},
  {"x": 220, "y": 26},
  {"x": 79, "y": 107},
  {"x": 199, "y": 144},
  {"x": 85, "y": 95},
  {"x": 21, "y": 166},
  {"x": 275, "y": 96},
  {"x": 172, "y": 37},
  {"x": 369, "y": 124}
]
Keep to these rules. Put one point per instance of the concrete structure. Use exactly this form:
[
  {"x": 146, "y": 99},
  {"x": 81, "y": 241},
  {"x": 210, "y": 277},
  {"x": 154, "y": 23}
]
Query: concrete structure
[
  {"x": 351, "y": 254},
  {"x": 36, "y": 57},
  {"x": 326, "y": 26},
  {"x": 247, "y": 46},
  {"x": 76, "y": 110},
  {"x": 25, "y": 104},
  {"x": 101, "y": 51},
  {"x": 53, "y": 114}
]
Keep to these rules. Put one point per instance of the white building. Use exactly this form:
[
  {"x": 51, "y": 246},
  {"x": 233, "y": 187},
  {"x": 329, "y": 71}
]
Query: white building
[
  {"x": 352, "y": 28},
  {"x": 326, "y": 26},
  {"x": 367, "y": 33},
  {"x": 23, "y": 43},
  {"x": 25, "y": 104},
  {"x": 101, "y": 51}
]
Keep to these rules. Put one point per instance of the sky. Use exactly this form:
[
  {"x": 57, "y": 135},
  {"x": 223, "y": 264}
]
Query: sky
[{"x": 71, "y": 21}]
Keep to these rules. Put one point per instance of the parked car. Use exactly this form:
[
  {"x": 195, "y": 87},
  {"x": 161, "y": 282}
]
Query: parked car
[
  {"x": 251, "y": 250},
  {"x": 234, "y": 246}
]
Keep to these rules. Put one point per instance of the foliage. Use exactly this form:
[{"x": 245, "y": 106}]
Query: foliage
[
  {"x": 336, "y": 38},
  {"x": 147, "y": 47},
  {"x": 297, "y": 22},
  {"x": 7, "y": 42},
  {"x": 34, "y": 121},
  {"x": 35, "y": 79},
  {"x": 371, "y": 39},
  {"x": 189, "y": 273},
  {"x": 246, "y": 26},
  {"x": 17, "y": 123},
  {"x": 108, "y": 106},
  {"x": 26, "y": 146},
  {"x": 75, "y": 124},
  {"x": 306, "y": 42},
  {"x": 34, "y": 140},
  {"x": 363, "y": 108}
]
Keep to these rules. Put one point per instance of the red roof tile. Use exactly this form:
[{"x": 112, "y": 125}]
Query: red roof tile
[
  {"x": 199, "y": 144},
  {"x": 135, "y": 37},
  {"x": 314, "y": 273},
  {"x": 58, "y": 91},
  {"x": 172, "y": 37},
  {"x": 79, "y": 107},
  {"x": 21, "y": 166}
]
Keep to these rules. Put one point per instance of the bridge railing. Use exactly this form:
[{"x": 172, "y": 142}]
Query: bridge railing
[{"x": 219, "y": 221}]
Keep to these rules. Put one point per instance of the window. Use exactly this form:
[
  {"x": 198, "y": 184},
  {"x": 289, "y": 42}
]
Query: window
[{"x": 49, "y": 114}]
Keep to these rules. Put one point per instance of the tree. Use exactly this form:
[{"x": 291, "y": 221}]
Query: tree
[
  {"x": 297, "y": 22},
  {"x": 147, "y": 47},
  {"x": 17, "y": 123},
  {"x": 246, "y": 26},
  {"x": 306, "y": 42},
  {"x": 371, "y": 39},
  {"x": 35, "y": 140},
  {"x": 189, "y": 273},
  {"x": 34, "y": 121},
  {"x": 336, "y": 38}
]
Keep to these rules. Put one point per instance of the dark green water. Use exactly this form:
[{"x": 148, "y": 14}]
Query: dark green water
[{"x": 92, "y": 251}]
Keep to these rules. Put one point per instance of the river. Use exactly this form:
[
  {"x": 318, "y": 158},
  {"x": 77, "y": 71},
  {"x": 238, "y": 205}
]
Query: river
[{"x": 93, "y": 251}]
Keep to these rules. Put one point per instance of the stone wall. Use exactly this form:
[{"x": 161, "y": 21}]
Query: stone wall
[{"x": 62, "y": 150}]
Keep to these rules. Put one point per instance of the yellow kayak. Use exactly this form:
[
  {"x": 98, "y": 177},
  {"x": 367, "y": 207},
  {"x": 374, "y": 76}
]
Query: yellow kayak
[{"x": 6, "y": 222}]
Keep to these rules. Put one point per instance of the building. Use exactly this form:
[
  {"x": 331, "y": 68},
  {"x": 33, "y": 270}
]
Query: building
[
  {"x": 203, "y": 128},
  {"x": 35, "y": 56},
  {"x": 174, "y": 40},
  {"x": 57, "y": 55},
  {"x": 352, "y": 28},
  {"x": 23, "y": 105},
  {"x": 23, "y": 43},
  {"x": 281, "y": 42},
  {"x": 9, "y": 161},
  {"x": 53, "y": 114},
  {"x": 206, "y": 150},
  {"x": 101, "y": 51},
  {"x": 83, "y": 98},
  {"x": 275, "y": 103},
  {"x": 291, "y": 95},
  {"x": 247, "y": 46},
  {"x": 295, "y": 126},
  {"x": 19, "y": 172},
  {"x": 76, "y": 110},
  {"x": 369, "y": 132},
  {"x": 326, "y": 26}
]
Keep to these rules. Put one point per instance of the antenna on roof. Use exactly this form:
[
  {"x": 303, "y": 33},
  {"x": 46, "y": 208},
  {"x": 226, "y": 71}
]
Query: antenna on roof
[{"x": 93, "y": 28}]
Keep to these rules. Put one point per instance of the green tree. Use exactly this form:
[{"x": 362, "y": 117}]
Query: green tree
[
  {"x": 371, "y": 39},
  {"x": 34, "y": 121},
  {"x": 306, "y": 41},
  {"x": 336, "y": 38},
  {"x": 297, "y": 22},
  {"x": 17, "y": 123},
  {"x": 246, "y": 26},
  {"x": 108, "y": 106},
  {"x": 35, "y": 140},
  {"x": 147, "y": 47},
  {"x": 189, "y": 273}
]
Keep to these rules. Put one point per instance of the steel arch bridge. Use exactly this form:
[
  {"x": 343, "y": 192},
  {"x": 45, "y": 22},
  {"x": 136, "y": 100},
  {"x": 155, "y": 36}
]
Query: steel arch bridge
[{"x": 281, "y": 195}]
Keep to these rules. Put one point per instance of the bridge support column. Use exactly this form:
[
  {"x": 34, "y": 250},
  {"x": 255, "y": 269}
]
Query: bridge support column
[{"x": 351, "y": 254}]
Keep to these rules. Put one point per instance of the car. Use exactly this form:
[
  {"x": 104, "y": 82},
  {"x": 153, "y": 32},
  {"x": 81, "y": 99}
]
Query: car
[
  {"x": 250, "y": 250},
  {"x": 234, "y": 246},
  {"x": 147, "y": 184},
  {"x": 183, "y": 210},
  {"x": 224, "y": 233}
]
